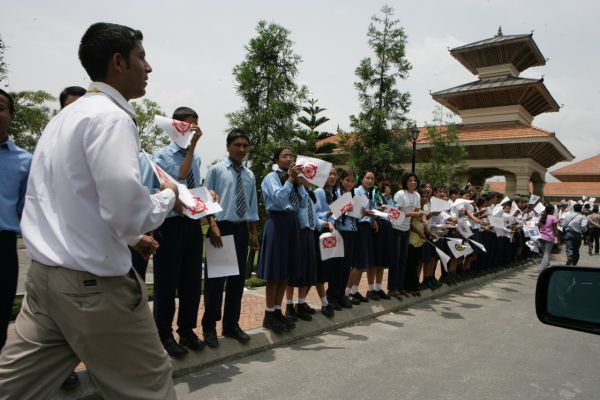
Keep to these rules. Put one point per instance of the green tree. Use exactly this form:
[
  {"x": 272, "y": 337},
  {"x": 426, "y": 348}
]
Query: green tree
[
  {"x": 271, "y": 99},
  {"x": 306, "y": 139},
  {"x": 32, "y": 114},
  {"x": 378, "y": 141},
  {"x": 3, "y": 66},
  {"x": 152, "y": 138}
]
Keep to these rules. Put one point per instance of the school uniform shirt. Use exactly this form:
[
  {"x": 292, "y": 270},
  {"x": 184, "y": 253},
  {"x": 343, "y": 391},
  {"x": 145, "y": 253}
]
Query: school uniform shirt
[
  {"x": 361, "y": 191},
  {"x": 222, "y": 178},
  {"x": 435, "y": 220},
  {"x": 14, "y": 164},
  {"x": 470, "y": 208},
  {"x": 170, "y": 159},
  {"x": 277, "y": 196},
  {"x": 345, "y": 222},
  {"x": 407, "y": 202},
  {"x": 322, "y": 207},
  {"x": 85, "y": 202},
  {"x": 303, "y": 214}
]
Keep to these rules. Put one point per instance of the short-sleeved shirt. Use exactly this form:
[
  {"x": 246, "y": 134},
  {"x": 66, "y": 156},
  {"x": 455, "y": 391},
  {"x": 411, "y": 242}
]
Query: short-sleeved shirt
[
  {"x": 14, "y": 163},
  {"x": 407, "y": 202},
  {"x": 547, "y": 229}
]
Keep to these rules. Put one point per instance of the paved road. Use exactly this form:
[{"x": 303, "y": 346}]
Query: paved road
[{"x": 484, "y": 343}]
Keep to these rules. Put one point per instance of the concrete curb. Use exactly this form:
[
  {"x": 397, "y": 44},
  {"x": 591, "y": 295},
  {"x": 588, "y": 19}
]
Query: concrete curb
[{"x": 263, "y": 339}]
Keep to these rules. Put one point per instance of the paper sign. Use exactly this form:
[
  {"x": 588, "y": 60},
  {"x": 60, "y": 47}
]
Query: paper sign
[
  {"x": 592, "y": 200},
  {"x": 396, "y": 216},
  {"x": 459, "y": 249},
  {"x": 314, "y": 170},
  {"x": 533, "y": 199},
  {"x": 331, "y": 245},
  {"x": 444, "y": 258},
  {"x": 221, "y": 261},
  {"x": 358, "y": 203},
  {"x": 439, "y": 205},
  {"x": 445, "y": 216},
  {"x": 533, "y": 233},
  {"x": 203, "y": 204},
  {"x": 379, "y": 214},
  {"x": 341, "y": 205},
  {"x": 539, "y": 208},
  {"x": 459, "y": 203},
  {"x": 185, "y": 196},
  {"x": 482, "y": 247},
  {"x": 463, "y": 228},
  {"x": 514, "y": 208},
  {"x": 179, "y": 131},
  {"x": 505, "y": 200},
  {"x": 496, "y": 222},
  {"x": 533, "y": 246}
]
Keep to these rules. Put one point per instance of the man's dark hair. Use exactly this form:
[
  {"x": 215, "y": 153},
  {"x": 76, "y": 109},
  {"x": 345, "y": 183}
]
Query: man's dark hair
[
  {"x": 100, "y": 42},
  {"x": 70, "y": 91},
  {"x": 577, "y": 208},
  {"x": 453, "y": 190},
  {"x": 11, "y": 102},
  {"x": 181, "y": 113},
  {"x": 237, "y": 133},
  {"x": 437, "y": 188}
]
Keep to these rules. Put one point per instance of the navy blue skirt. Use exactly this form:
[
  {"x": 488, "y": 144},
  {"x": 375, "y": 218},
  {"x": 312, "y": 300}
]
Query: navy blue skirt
[
  {"x": 280, "y": 248},
  {"x": 306, "y": 275},
  {"x": 350, "y": 249},
  {"x": 383, "y": 244},
  {"x": 365, "y": 246}
]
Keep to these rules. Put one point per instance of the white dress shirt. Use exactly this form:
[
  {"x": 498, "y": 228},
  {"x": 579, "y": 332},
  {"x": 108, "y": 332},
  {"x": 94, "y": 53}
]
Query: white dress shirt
[{"x": 85, "y": 202}]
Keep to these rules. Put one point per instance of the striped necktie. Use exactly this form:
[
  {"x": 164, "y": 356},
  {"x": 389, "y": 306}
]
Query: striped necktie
[
  {"x": 240, "y": 200},
  {"x": 190, "y": 179},
  {"x": 311, "y": 217},
  {"x": 294, "y": 199}
]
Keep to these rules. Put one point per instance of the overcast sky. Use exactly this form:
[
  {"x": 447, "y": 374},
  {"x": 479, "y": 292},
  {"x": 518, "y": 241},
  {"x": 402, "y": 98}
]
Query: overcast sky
[{"x": 194, "y": 45}]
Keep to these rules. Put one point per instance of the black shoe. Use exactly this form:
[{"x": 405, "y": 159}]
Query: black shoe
[
  {"x": 210, "y": 338},
  {"x": 354, "y": 300},
  {"x": 309, "y": 309},
  {"x": 290, "y": 312},
  {"x": 345, "y": 302},
  {"x": 302, "y": 312},
  {"x": 372, "y": 295},
  {"x": 273, "y": 323},
  {"x": 173, "y": 348},
  {"x": 287, "y": 322},
  {"x": 191, "y": 341},
  {"x": 328, "y": 311},
  {"x": 360, "y": 297},
  {"x": 336, "y": 306},
  {"x": 235, "y": 332},
  {"x": 383, "y": 295},
  {"x": 71, "y": 382}
]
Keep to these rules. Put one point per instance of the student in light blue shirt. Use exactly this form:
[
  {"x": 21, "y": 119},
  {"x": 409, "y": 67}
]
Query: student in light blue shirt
[
  {"x": 14, "y": 164},
  {"x": 236, "y": 186}
]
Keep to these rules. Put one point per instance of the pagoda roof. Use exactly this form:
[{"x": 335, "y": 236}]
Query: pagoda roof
[
  {"x": 518, "y": 50},
  {"x": 584, "y": 170},
  {"x": 532, "y": 94}
]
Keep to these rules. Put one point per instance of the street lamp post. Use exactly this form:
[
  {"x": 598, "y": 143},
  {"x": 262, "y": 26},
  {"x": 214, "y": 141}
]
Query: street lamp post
[{"x": 414, "y": 135}]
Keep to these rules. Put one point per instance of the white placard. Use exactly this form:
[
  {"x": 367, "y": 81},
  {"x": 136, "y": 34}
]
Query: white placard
[
  {"x": 533, "y": 199},
  {"x": 444, "y": 258},
  {"x": 396, "y": 216},
  {"x": 204, "y": 204},
  {"x": 185, "y": 196},
  {"x": 482, "y": 247},
  {"x": 314, "y": 170},
  {"x": 358, "y": 204},
  {"x": 496, "y": 222},
  {"x": 179, "y": 131},
  {"x": 539, "y": 208},
  {"x": 459, "y": 249},
  {"x": 439, "y": 205},
  {"x": 221, "y": 261},
  {"x": 463, "y": 228},
  {"x": 341, "y": 205},
  {"x": 533, "y": 233},
  {"x": 460, "y": 202},
  {"x": 379, "y": 214},
  {"x": 514, "y": 208},
  {"x": 331, "y": 245}
]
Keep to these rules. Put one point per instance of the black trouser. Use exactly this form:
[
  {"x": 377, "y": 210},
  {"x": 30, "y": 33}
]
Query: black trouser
[
  {"x": 338, "y": 269},
  {"x": 177, "y": 267},
  {"x": 593, "y": 235},
  {"x": 397, "y": 271},
  {"x": 213, "y": 287},
  {"x": 415, "y": 256},
  {"x": 9, "y": 274},
  {"x": 489, "y": 241},
  {"x": 140, "y": 264}
]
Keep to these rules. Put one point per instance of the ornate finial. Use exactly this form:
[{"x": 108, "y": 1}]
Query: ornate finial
[{"x": 499, "y": 31}]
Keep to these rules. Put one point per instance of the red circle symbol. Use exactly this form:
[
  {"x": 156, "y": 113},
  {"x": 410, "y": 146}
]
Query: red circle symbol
[
  {"x": 309, "y": 170},
  {"x": 394, "y": 214},
  {"x": 199, "y": 208},
  {"x": 346, "y": 208},
  {"x": 182, "y": 127},
  {"x": 329, "y": 242}
]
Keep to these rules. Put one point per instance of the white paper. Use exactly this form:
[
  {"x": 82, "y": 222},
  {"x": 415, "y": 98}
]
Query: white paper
[
  {"x": 179, "y": 131},
  {"x": 514, "y": 208},
  {"x": 358, "y": 204},
  {"x": 445, "y": 216},
  {"x": 534, "y": 198},
  {"x": 204, "y": 204},
  {"x": 444, "y": 258},
  {"x": 539, "y": 208},
  {"x": 341, "y": 205},
  {"x": 482, "y": 247},
  {"x": 331, "y": 245},
  {"x": 463, "y": 228},
  {"x": 533, "y": 233},
  {"x": 460, "y": 202},
  {"x": 379, "y": 214},
  {"x": 496, "y": 222},
  {"x": 533, "y": 246},
  {"x": 314, "y": 170},
  {"x": 504, "y": 200},
  {"x": 396, "y": 216},
  {"x": 592, "y": 200},
  {"x": 459, "y": 249},
  {"x": 185, "y": 196},
  {"x": 221, "y": 261},
  {"x": 439, "y": 205}
]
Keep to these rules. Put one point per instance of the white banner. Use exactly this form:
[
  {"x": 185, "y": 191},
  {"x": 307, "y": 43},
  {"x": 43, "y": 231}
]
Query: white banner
[
  {"x": 179, "y": 131},
  {"x": 459, "y": 249},
  {"x": 358, "y": 204},
  {"x": 463, "y": 228},
  {"x": 314, "y": 170},
  {"x": 439, "y": 205},
  {"x": 444, "y": 258},
  {"x": 331, "y": 245},
  {"x": 185, "y": 196},
  {"x": 539, "y": 208},
  {"x": 341, "y": 205},
  {"x": 533, "y": 199},
  {"x": 203, "y": 204},
  {"x": 396, "y": 216}
]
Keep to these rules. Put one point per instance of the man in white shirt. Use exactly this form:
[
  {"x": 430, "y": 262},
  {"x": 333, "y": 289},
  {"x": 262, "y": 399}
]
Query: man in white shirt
[{"x": 85, "y": 204}]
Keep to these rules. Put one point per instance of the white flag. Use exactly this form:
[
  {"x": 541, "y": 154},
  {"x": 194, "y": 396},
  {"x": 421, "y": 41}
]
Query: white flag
[
  {"x": 539, "y": 208},
  {"x": 314, "y": 170},
  {"x": 439, "y": 205},
  {"x": 331, "y": 245},
  {"x": 179, "y": 131},
  {"x": 463, "y": 228},
  {"x": 396, "y": 216},
  {"x": 459, "y": 203},
  {"x": 459, "y": 249},
  {"x": 533, "y": 199},
  {"x": 496, "y": 222},
  {"x": 444, "y": 258},
  {"x": 203, "y": 204},
  {"x": 358, "y": 203},
  {"x": 504, "y": 200},
  {"x": 592, "y": 200},
  {"x": 514, "y": 208},
  {"x": 341, "y": 205},
  {"x": 185, "y": 196},
  {"x": 482, "y": 247}
]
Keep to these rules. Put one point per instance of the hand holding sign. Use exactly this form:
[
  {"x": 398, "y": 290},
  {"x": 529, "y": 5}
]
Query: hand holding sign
[
  {"x": 179, "y": 131},
  {"x": 314, "y": 170}
]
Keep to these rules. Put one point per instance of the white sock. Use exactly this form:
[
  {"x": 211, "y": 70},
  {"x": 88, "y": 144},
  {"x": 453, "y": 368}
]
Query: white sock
[
  {"x": 354, "y": 289},
  {"x": 324, "y": 301},
  {"x": 347, "y": 291},
  {"x": 290, "y": 301},
  {"x": 377, "y": 286},
  {"x": 301, "y": 300},
  {"x": 371, "y": 287},
  {"x": 269, "y": 309},
  {"x": 278, "y": 307}
]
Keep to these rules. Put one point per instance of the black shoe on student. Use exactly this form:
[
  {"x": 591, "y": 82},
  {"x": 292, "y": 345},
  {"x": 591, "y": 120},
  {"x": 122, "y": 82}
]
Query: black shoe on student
[
  {"x": 290, "y": 312},
  {"x": 235, "y": 332},
  {"x": 362, "y": 298},
  {"x": 71, "y": 382},
  {"x": 273, "y": 323},
  {"x": 191, "y": 341},
  {"x": 309, "y": 309},
  {"x": 210, "y": 338},
  {"x": 287, "y": 322},
  {"x": 302, "y": 312},
  {"x": 328, "y": 311},
  {"x": 336, "y": 306},
  {"x": 345, "y": 302},
  {"x": 355, "y": 300},
  {"x": 174, "y": 349},
  {"x": 383, "y": 295},
  {"x": 372, "y": 295}
]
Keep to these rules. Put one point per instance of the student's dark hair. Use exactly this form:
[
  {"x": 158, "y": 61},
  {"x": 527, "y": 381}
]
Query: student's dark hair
[
  {"x": 595, "y": 209},
  {"x": 499, "y": 195},
  {"x": 549, "y": 210},
  {"x": 406, "y": 177},
  {"x": 237, "y": 133},
  {"x": 278, "y": 153},
  {"x": 70, "y": 91},
  {"x": 11, "y": 102},
  {"x": 343, "y": 172},
  {"x": 437, "y": 187},
  {"x": 181, "y": 113},
  {"x": 101, "y": 41},
  {"x": 577, "y": 207},
  {"x": 453, "y": 190},
  {"x": 364, "y": 173}
]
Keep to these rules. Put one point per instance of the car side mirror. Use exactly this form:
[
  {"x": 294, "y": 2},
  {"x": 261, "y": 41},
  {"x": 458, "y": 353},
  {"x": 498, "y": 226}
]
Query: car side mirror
[{"x": 569, "y": 297}]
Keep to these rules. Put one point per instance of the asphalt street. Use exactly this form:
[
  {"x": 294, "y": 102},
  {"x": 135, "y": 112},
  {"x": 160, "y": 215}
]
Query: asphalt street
[{"x": 482, "y": 343}]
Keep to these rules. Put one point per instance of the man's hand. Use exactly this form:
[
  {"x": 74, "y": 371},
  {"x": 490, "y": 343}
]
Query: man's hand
[
  {"x": 215, "y": 235},
  {"x": 170, "y": 185},
  {"x": 147, "y": 246},
  {"x": 197, "y": 134},
  {"x": 329, "y": 226},
  {"x": 215, "y": 196}
]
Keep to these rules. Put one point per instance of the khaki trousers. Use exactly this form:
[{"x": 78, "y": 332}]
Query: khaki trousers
[{"x": 105, "y": 322}]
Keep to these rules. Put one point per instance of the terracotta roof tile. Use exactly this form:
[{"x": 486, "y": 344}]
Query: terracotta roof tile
[
  {"x": 589, "y": 166},
  {"x": 559, "y": 189}
]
